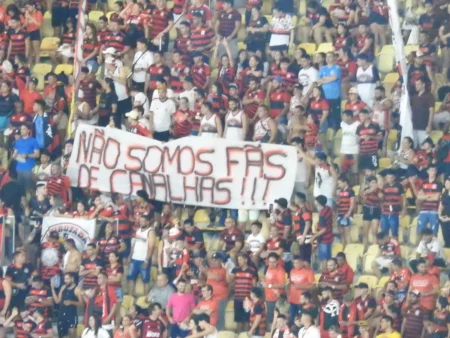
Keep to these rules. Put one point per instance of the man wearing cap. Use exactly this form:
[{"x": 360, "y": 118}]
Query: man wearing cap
[
  {"x": 414, "y": 315},
  {"x": 161, "y": 115},
  {"x": 134, "y": 125},
  {"x": 29, "y": 95}
]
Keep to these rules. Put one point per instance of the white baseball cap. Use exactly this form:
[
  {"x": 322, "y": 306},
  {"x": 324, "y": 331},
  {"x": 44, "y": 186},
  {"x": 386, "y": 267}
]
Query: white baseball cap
[
  {"x": 134, "y": 114},
  {"x": 110, "y": 60},
  {"x": 110, "y": 50}
]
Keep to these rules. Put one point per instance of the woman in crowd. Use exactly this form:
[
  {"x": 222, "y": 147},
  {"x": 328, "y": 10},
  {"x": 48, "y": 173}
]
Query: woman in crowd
[
  {"x": 108, "y": 102},
  {"x": 108, "y": 241},
  {"x": 94, "y": 329}
]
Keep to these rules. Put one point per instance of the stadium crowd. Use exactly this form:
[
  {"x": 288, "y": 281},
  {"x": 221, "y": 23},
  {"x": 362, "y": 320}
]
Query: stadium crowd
[{"x": 361, "y": 248}]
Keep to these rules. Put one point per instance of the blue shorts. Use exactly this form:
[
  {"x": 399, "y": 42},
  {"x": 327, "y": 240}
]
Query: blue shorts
[
  {"x": 344, "y": 221},
  {"x": 324, "y": 251},
  {"x": 119, "y": 294},
  {"x": 324, "y": 127},
  {"x": 390, "y": 222},
  {"x": 136, "y": 269},
  {"x": 428, "y": 217}
]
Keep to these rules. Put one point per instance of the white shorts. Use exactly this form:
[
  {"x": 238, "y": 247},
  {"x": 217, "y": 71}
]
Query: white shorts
[
  {"x": 383, "y": 262},
  {"x": 248, "y": 215}
]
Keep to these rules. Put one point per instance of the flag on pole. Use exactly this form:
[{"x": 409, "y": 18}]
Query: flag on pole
[
  {"x": 400, "y": 58},
  {"x": 78, "y": 57}
]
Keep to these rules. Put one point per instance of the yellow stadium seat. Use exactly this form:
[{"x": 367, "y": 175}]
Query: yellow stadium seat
[
  {"x": 382, "y": 282},
  {"x": 405, "y": 222},
  {"x": 385, "y": 63},
  {"x": 336, "y": 248},
  {"x": 392, "y": 139},
  {"x": 447, "y": 252},
  {"x": 80, "y": 329},
  {"x": 388, "y": 49},
  {"x": 109, "y": 14},
  {"x": 354, "y": 235},
  {"x": 372, "y": 250},
  {"x": 94, "y": 16},
  {"x": 214, "y": 73},
  {"x": 372, "y": 281},
  {"x": 357, "y": 218},
  {"x": 413, "y": 239},
  {"x": 242, "y": 45},
  {"x": 354, "y": 250},
  {"x": 317, "y": 277},
  {"x": 310, "y": 48},
  {"x": 367, "y": 268},
  {"x": 46, "y": 27},
  {"x": 391, "y": 78},
  {"x": 343, "y": 104},
  {"x": 411, "y": 48},
  {"x": 384, "y": 162},
  {"x": 201, "y": 217},
  {"x": 48, "y": 45},
  {"x": 353, "y": 261},
  {"x": 436, "y": 135},
  {"x": 325, "y": 47},
  {"x": 268, "y": 18},
  {"x": 41, "y": 68},
  {"x": 64, "y": 68},
  {"x": 127, "y": 301},
  {"x": 242, "y": 34},
  {"x": 338, "y": 134},
  {"x": 226, "y": 334},
  {"x": 437, "y": 105},
  {"x": 356, "y": 189},
  {"x": 230, "y": 324},
  {"x": 405, "y": 251}
]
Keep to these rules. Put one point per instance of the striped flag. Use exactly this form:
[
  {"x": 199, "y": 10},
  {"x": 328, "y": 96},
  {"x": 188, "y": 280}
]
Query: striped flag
[{"x": 78, "y": 56}]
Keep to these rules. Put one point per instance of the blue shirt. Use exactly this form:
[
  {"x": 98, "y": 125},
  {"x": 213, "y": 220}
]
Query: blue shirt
[
  {"x": 332, "y": 90},
  {"x": 39, "y": 126},
  {"x": 26, "y": 146}
]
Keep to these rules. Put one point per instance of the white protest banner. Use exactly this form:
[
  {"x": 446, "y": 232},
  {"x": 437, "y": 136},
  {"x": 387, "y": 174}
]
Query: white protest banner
[
  {"x": 192, "y": 170},
  {"x": 82, "y": 231}
]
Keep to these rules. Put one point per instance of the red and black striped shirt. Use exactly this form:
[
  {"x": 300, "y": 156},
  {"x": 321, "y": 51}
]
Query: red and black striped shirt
[
  {"x": 43, "y": 293},
  {"x": 90, "y": 282},
  {"x": 23, "y": 328},
  {"x": 116, "y": 40},
  {"x": 243, "y": 282},
  {"x": 218, "y": 103},
  {"x": 430, "y": 188},
  {"x": 157, "y": 73},
  {"x": 278, "y": 98},
  {"x": 47, "y": 272},
  {"x": 105, "y": 246},
  {"x": 112, "y": 271},
  {"x": 316, "y": 109},
  {"x": 372, "y": 199},
  {"x": 259, "y": 308},
  {"x": 136, "y": 22},
  {"x": 176, "y": 81},
  {"x": 89, "y": 46},
  {"x": 200, "y": 75},
  {"x": 225, "y": 77},
  {"x": 251, "y": 108},
  {"x": 68, "y": 38},
  {"x": 227, "y": 22},
  {"x": 202, "y": 37},
  {"x": 18, "y": 44},
  {"x": 289, "y": 78},
  {"x": 181, "y": 45},
  {"x": 344, "y": 198},
  {"x": 159, "y": 21},
  {"x": 325, "y": 222},
  {"x": 370, "y": 146},
  {"x": 299, "y": 219},
  {"x": 392, "y": 199},
  {"x": 178, "y": 6},
  {"x": 182, "y": 125}
]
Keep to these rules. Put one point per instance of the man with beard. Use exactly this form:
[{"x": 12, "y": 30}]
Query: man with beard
[
  {"x": 329, "y": 311},
  {"x": 334, "y": 279},
  {"x": 382, "y": 110},
  {"x": 68, "y": 298},
  {"x": 414, "y": 316},
  {"x": 179, "y": 309}
]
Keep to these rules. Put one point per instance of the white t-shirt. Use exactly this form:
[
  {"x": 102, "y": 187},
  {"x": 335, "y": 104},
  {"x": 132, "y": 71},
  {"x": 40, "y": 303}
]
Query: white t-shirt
[
  {"x": 310, "y": 332},
  {"x": 306, "y": 77},
  {"x": 170, "y": 94},
  {"x": 255, "y": 242},
  {"x": 162, "y": 114},
  {"x": 349, "y": 143},
  {"x": 144, "y": 61},
  {"x": 143, "y": 99},
  {"x": 434, "y": 246},
  {"x": 190, "y": 95},
  {"x": 101, "y": 333}
]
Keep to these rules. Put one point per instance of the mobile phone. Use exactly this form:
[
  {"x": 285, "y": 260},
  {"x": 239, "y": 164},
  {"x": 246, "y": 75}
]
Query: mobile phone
[{"x": 270, "y": 208}]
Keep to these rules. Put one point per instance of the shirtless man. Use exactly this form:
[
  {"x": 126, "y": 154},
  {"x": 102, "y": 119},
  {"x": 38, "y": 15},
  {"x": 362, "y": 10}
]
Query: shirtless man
[{"x": 72, "y": 258}]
